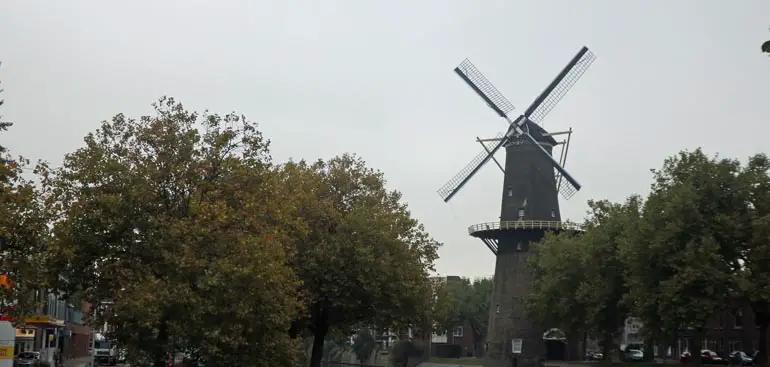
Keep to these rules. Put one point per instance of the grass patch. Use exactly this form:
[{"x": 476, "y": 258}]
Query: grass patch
[{"x": 458, "y": 361}]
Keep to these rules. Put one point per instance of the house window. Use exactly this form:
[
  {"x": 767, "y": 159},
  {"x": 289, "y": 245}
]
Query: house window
[
  {"x": 553, "y": 213},
  {"x": 518, "y": 246},
  {"x": 510, "y": 191},
  {"x": 733, "y": 345},
  {"x": 738, "y": 319},
  {"x": 497, "y": 308},
  {"x": 521, "y": 213},
  {"x": 458, "y": 332}
]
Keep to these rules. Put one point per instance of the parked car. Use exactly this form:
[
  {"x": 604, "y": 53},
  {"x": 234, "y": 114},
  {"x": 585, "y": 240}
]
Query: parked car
[
  {"x": 633, "y": 355},
  {"x": 26, "y": 359},
  {"x": 740, "y": 358},
  {"x": 706, "y": 357},
  {"x": 594, "y": 356}
]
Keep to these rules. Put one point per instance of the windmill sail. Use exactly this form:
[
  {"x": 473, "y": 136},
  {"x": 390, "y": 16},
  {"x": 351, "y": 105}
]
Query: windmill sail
[
  {"x": 484, "y": 88},
  {"x": 461, "y": 178},
  {"x": 563, "y": 82}
]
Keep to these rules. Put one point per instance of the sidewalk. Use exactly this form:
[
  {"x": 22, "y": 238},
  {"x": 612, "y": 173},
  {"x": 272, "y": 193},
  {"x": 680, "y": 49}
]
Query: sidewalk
[{"x": 79, "y": 362}]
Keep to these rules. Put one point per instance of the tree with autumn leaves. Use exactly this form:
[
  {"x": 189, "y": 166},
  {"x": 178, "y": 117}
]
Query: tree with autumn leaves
[
  {"x": 192, "y": 239},
  {"x": 24, "y": 234},
  {"x": 694, "y": 247}
]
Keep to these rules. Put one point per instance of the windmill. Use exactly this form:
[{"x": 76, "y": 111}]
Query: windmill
[{"x": 532, "y": 182}]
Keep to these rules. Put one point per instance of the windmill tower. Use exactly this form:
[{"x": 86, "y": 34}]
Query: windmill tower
[{"x": 532, "y": 181}]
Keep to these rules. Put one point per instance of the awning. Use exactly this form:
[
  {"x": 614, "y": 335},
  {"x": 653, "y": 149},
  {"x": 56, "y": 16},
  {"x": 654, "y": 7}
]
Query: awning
[{"x": 43, "y": 320}]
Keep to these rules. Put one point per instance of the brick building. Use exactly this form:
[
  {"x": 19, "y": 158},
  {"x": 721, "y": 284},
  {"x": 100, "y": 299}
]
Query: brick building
[
  {"x": 457, "y": 342},
  {"x": 732, "y": 329},
  {"x": 453, "y": 342},
  {"x": 729, "y": 330}
]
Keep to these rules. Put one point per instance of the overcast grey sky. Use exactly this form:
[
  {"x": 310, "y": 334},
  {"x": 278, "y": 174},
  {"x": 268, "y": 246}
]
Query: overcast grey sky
[{"x": 375, "y": 78}]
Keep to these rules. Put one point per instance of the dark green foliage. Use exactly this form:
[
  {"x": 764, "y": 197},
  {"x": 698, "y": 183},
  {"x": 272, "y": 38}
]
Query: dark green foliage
[
  {"x": 470, "y": 300},
  {"x": 405, "y": 350},
  {"x": 699, "y": 242},
  {"x": 364, "y": 345}
]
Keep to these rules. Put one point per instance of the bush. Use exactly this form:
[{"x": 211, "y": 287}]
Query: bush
[{"x": 404, "y": 350}]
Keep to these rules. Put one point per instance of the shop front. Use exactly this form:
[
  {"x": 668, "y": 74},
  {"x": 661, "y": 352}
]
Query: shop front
[
  {"x": 25, "y": 339},
  {"x": 48, "y": 335}
]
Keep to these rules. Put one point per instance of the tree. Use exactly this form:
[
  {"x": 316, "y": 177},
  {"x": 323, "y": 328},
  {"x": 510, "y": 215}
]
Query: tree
[
  {"x": 644, "y": 270},
  {"x": 754, "y": 275},
  {"x": 363, "y": 260},
  {"x": 24, "y": 239},
  {"x": 603, "y": 288},
  {"x": 697, "y": 212},
  {"x": 364, "y": 345},
  {"x": 470, "y": 301},
  {"x": 557, "y": 267},
  {"x": 169, "y": 223},
  {"x": 23, "y": 235}
]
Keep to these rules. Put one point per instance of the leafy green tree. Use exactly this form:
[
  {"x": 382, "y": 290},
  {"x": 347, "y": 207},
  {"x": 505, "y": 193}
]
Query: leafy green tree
[
  {"x": 364, "y": 345},
  {"x": 755, "y": 273},
  {"x": 603, "y": 287},
  {"x": 24, "y": 235},
  {"x": 172, "y": 220},
  {"x": 363, "y": 260},
  {"x": 557, "y": 266},
  {"x": 696, "y": 211},
  {"x": 644, "y": 270},
  {"x": 24, "y": 238},
  {"x": 470, "y": 300}
]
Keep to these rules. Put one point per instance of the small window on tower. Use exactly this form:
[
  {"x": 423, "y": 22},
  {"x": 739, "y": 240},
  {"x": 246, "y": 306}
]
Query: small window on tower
[
  {"x": 510, "y": 191},
  {"x": 553, "y": 213},
  {"x": 497, "y": 308},
  {"x": 521, "y": 213}
]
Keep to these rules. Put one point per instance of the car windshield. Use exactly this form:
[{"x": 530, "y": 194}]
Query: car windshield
[
  {"x": 636, "y": 353},
  {"x": 103, "y": 344},
  {"x": 27, "y": 355}
]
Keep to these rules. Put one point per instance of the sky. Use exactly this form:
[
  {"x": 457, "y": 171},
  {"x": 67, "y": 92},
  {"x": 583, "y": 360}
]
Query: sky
[{"x": 375, "y": 78}]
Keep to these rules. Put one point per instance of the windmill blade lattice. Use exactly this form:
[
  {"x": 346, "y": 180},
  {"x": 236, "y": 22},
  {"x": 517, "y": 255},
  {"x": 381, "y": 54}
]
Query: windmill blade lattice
[
  {"x": 452, "y": 186},
  {"x": 484, "y": 88},
  {"x": 547, "y": 100},
  {"x": 518, "y": 129}
]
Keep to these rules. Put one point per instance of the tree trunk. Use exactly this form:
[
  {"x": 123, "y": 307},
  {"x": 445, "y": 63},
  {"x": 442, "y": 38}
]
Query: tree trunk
[
  {"x": 696, "y": 347},
  {"x": 608, "y": 344},
  {"x": 649, "y": 350},
  {"x": 573, "y": 345},
  {"x": 763, "y": 322},
  {"x": 478, "y": 346},
  {"x": 160, "y": 355},
  {"x": 320, "y": 329}
]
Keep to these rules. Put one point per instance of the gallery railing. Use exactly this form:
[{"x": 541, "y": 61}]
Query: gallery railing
[{"x": 524, "y": 224}]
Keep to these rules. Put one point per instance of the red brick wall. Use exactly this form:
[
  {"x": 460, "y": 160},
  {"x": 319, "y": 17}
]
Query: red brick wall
[
  {"x": 466, "y": 341},
  {"x": 81, "y": 336}
]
